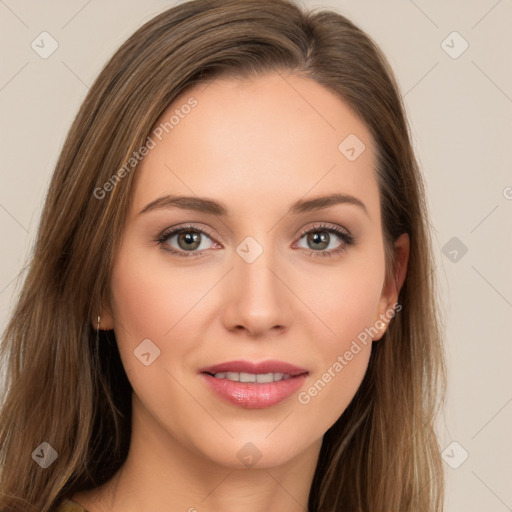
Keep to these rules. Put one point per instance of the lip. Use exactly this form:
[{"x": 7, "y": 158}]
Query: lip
[
  {"x": 269, "y": 366},
  {"x": 254, "y": 395}
]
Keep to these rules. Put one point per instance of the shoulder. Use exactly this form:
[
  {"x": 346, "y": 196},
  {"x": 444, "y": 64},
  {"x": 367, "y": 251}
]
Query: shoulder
[{"x": 70, "y": 506}]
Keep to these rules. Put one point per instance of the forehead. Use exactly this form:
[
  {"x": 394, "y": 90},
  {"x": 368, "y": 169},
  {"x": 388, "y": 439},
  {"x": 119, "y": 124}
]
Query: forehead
[{"x": 265, "y": 140}]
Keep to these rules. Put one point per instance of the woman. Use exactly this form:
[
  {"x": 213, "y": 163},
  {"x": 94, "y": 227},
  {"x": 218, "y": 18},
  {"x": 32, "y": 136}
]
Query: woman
[{"x": 231, "y": 301}]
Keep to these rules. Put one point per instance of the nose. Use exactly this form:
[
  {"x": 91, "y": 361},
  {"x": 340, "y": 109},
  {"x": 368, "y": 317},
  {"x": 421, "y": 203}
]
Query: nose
[{"x": 257, "y": 299}]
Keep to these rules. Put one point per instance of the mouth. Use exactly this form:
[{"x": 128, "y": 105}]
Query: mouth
[
  {"x": 251, "y": 377},
  {"x": 254, "y": 385}
]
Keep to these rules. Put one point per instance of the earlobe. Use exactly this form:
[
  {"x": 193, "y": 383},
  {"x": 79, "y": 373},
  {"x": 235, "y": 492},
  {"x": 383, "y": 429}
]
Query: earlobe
[{"x": 392, "y": 289}]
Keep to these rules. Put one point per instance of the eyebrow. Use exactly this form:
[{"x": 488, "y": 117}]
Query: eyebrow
[{"x": 201, "y": 204}]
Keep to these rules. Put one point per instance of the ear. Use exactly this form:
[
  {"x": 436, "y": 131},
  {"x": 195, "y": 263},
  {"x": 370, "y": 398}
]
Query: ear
[
  {"x": 106, "y": 316},
  {"x": 393, "y": 285}
]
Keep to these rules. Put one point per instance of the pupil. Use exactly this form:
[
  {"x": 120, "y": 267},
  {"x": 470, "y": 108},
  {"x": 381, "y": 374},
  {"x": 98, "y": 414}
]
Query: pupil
[
  {"x": 190, "y": 239},
  {"x": 321, "y": 237}
]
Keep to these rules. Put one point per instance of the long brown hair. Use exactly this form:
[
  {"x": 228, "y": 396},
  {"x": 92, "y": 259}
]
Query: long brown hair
[{"x": 382, "y": 453}]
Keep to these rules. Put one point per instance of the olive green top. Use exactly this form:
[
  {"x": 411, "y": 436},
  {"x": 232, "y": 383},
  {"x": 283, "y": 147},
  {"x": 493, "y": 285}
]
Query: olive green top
[{"x": 70, "y": 506}]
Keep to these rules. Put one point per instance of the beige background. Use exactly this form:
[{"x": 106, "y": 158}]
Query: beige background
[{"x": 460, "y": 110}]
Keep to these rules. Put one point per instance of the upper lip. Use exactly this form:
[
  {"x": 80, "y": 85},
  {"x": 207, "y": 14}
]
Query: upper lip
[{"x": 269, "y": 366}]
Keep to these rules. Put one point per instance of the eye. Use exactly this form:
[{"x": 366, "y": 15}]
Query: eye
[
  {"x": 320, "y": 237},
  {"x": 188, "y": 240}
]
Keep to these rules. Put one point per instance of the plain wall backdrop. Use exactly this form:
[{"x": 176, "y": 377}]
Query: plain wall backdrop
[{"x": 452, "y": 61}]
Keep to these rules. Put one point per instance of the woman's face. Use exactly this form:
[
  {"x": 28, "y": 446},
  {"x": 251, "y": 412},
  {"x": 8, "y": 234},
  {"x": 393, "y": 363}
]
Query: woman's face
[{"x": 261, "y": 163}]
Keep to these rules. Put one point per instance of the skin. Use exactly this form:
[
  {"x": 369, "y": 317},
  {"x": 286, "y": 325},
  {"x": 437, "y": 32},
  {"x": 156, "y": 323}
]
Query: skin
[{"x": 257, "y": 146}]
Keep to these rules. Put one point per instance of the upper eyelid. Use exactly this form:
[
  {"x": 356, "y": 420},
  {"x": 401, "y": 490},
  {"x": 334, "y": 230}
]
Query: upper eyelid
[
  {"x": 317, "y": 226},
  {"x": 173, "y": 231},
  {"x": 324, "y": 225}
]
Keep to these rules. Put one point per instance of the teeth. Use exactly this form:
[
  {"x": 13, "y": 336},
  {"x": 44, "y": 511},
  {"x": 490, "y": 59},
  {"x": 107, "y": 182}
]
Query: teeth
[
  {"x": 251, "y": 377},
  {"x": 247, "y": 377},
  {"x": 269, "y": 377}
]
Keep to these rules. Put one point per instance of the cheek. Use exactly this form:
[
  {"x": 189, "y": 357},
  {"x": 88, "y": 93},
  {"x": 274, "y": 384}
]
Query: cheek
[
  {"x": 329, "y": 392},
  {"x": 342, "y": 354},
  {"x": 150, "y": 293},
  {"x": 344, "y": 301},
  {"x": 347, "y": 305},
  {"x": 142, "y": 302},
  {"x": 147, "y": 303}
]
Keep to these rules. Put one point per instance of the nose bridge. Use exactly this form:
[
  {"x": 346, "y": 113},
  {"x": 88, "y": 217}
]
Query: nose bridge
[{"x": 257, "y": 300}]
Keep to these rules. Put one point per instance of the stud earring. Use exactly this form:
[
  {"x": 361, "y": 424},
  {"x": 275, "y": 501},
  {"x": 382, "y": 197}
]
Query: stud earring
[{"x": 98, "y": 328}]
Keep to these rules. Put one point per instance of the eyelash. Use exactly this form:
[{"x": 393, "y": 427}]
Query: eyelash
[{"x": 347, "y": 239}]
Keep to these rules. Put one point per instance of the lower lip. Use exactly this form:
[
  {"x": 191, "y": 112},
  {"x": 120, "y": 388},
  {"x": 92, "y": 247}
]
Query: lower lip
[{"x": 252, "y": 395}]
